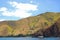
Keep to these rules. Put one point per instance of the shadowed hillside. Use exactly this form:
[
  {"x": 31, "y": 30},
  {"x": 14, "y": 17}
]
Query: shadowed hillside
[
  {"x": 31, "y": 26},
  {"x": 53, "y": 31}
]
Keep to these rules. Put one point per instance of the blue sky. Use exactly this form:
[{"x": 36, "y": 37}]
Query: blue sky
[{"x": 18, "y": 9}]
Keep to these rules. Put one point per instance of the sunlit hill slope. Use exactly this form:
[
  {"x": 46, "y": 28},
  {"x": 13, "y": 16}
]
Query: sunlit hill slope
[{"x": 40, "y": 25}]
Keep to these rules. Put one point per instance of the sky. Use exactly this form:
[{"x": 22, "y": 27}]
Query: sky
[{"x": 19, "y": 9}]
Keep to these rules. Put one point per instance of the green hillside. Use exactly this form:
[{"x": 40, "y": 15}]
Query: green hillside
[{"x": 30, "y": 25}]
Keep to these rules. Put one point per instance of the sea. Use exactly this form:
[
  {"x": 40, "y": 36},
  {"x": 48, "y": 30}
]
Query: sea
[{"x": 29, "y": 38}]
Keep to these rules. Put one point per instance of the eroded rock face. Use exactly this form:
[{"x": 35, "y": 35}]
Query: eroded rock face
[{"x": 54, "y": 30}]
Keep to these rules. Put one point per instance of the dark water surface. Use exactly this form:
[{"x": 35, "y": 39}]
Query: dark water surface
[{"x": 29, "y": 38}]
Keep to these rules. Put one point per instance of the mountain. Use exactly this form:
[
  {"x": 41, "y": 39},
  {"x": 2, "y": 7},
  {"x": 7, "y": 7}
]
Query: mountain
[{"x": 40, "y": 25}]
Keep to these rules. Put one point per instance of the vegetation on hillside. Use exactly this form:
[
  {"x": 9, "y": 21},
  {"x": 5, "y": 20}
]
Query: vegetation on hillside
[{"x": 29, "y": 26}]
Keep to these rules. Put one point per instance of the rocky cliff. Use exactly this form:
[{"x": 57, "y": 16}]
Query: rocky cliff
[{"x": 53, "y": 30}]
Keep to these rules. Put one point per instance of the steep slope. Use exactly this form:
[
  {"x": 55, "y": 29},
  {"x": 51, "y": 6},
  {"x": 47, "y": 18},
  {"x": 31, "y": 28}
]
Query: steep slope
[
  {"x": 53, "y": 30},
  {"x": 29, "y": 26}
]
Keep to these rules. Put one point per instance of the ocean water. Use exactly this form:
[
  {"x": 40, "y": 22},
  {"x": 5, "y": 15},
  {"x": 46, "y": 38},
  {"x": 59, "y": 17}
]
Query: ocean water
[{"x": 29, "y": 38}]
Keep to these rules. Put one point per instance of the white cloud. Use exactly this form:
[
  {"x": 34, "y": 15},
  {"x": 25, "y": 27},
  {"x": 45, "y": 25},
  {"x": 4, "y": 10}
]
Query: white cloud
[
  {"x": 21, "y": 10},
  {"x": 3, "y": 9},
  {"x": 18, "y": 13},
  {"x": 24, "y": 6},
  {"x": 2, "y": 20}
]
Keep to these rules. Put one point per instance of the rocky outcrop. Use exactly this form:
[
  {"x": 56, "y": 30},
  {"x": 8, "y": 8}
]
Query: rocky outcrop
[{"x": 52, "y": 31}]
